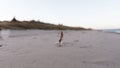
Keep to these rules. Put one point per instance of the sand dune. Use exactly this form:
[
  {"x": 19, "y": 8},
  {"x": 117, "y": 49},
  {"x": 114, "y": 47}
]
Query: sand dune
[{"x": 80, "y": 49}]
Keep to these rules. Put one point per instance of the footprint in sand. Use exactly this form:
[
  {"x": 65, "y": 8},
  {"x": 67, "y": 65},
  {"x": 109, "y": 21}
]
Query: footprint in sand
[
  {"x": 67, "y": 44},
  {"x": 87, "y": 46},
  {"x": 83, "y": 46},
  {"x": 34, "y": 61},
  {"x": 76, "y": 41}
]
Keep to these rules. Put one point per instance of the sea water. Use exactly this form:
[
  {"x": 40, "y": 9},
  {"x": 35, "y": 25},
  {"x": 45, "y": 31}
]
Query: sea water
[{"x": 112, "y": 30}]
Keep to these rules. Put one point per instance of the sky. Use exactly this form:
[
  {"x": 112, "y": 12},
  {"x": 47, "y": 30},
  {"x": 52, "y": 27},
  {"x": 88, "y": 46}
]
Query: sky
[{"x": 96, "y": 14}]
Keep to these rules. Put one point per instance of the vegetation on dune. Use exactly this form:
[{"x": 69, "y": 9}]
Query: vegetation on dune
[{"x": 15, "y": 24}]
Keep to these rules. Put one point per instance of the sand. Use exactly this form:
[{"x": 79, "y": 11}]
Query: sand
[{"x": 80, "y": 49}]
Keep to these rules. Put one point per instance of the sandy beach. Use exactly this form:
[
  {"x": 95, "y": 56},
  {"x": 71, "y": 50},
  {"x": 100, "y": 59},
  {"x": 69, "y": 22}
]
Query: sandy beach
[{"x": 80, "y": 49}]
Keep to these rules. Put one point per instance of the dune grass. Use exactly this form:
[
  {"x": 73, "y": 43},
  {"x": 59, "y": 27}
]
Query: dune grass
[{"x": 14, "y": 24}]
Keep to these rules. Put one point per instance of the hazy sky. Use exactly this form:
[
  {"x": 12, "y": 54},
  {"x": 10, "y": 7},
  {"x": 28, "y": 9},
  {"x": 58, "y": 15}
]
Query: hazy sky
[{"x": 86, "y": 13}]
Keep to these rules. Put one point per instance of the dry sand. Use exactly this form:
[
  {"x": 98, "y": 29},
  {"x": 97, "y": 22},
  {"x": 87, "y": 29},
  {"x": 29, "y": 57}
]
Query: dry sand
[{"x": 80, "y": 49}]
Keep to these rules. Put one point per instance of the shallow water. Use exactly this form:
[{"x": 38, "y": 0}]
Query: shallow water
[{"x": 112, "y": 30}]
